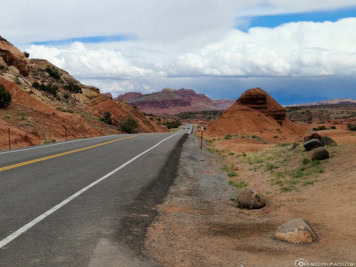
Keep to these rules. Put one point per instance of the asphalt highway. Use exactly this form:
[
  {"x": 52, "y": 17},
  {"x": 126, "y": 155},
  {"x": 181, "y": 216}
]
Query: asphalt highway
[{"x": 63, "y": 204}]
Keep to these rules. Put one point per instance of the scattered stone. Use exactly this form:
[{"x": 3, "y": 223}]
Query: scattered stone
[
  {"x": 296, "y": 231},
  {"x": 328, "y": 141},
  {"x": 312, "y": 136},
  {"x": 320, "y": 153},
  {"x": 312, "y": 143},
  {"x": 249, "y": 199}
]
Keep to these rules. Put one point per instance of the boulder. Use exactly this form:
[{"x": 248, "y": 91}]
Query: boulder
[
  {"x": 312, "y": 136},
  {"x": 312, "y": 143},
  {"x": 327, "y": 141},
  {"x": 249, "y": 199},
  {"x": 296, "y": 231},
  {"x": 320, "y": 153}
]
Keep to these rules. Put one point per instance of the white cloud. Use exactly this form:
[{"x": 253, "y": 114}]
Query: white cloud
[
  {"x": 292, "y": 50},
  {"x": 159, "y": 21}
]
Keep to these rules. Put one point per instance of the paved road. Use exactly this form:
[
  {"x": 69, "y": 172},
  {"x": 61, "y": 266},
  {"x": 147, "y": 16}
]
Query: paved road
[{"x": 64, "y": 204}]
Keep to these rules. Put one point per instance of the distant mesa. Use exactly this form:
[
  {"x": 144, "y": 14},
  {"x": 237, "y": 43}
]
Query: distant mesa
[
  {"x": 255, "y": 112},
  {"x": 171, "y": 101},
  {"x": 336, "y": 101}
]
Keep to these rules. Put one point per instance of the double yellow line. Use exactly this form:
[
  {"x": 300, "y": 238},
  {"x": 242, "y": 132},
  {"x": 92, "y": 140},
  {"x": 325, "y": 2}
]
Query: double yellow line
[{"x": 61, "y": 154}]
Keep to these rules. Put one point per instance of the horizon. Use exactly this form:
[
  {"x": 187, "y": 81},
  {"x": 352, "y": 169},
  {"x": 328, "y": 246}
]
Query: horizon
[{"x": 298, "y": 52}]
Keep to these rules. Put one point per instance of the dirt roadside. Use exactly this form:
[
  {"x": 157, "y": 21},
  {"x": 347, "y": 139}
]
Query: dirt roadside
[{"x": 198, "y": 224}]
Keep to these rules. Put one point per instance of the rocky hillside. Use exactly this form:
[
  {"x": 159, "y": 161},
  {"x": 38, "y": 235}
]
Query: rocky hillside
[
  {"x": 171, "y": 101},
  {"x": 47, "y": 102},
  {"x": 336, "y": 101},
  {"x": 255, "y": 113}
]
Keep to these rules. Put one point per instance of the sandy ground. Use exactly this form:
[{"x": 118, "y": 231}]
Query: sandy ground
[{"x": 198, "y": 224}]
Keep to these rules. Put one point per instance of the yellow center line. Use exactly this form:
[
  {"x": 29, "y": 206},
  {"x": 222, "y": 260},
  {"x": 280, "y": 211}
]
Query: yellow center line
[{"x": 61, "y": 154}]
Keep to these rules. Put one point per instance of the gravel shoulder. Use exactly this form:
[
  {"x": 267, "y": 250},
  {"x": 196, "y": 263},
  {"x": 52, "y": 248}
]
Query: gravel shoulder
[{"x": 199, "y": 225}]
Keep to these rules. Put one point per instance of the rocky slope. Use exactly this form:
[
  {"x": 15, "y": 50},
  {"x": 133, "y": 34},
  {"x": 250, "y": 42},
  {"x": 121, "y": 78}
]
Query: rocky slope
[
  {"x": 47, "y": 102},
  {"x": 171, "y": 101},
  {"x": 255, "y": 113}
]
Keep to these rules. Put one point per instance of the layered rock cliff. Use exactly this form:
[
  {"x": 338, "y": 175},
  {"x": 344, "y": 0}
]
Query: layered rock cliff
[
  {"x": 171, "y": 101},
  {"x": 255, "y": 113}
]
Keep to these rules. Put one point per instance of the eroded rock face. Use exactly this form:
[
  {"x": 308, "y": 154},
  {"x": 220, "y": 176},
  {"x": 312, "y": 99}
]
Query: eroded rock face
[
  {"x": 13, "y": 57},
  {"x": 249, "y": 199},
  {"x": 260, "y": 100},
  {"x": 296, "y": 231}
]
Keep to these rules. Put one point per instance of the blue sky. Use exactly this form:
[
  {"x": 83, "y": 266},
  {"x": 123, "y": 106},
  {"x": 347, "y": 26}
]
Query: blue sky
[
  {"x": 271, "y": 21},
  {"x": 299, "y": 51}
]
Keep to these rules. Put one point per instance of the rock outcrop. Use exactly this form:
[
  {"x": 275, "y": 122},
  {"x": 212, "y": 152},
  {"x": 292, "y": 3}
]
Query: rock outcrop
[
  {"x": 171, "y": 101},
  {"x": 13, "y": 57},
  {"x": 249, "y": 199},
  {"x": 258, "y": 99},
  {"x": 255, "y": 112},
  {"x": 320, "y": 153},
  {"x": 297, "y": 231}
]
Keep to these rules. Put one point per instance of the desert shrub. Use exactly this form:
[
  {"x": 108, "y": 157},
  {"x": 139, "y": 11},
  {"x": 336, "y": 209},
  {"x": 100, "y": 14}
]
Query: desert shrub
[
  {"x": 351, "y": 126},
  {"x": 51, "y": 89},
  {"x": 74, "y": 88},
  {"x": 172, "y": 124},
  {"x": 306, "y": 161},
  {"x": 333, "y": 127},
  {"x": 5, "y": 97},
  {"x": 129, "y": 125},
  {"x": 54, "y": 73},
  {"x": 26, "y": 54},
  {"x": 228, "y": 136},
  {"x": 66, "y": 95},
  {"x": 320, "y": 128},
  {"x": 107, "y": 118}
]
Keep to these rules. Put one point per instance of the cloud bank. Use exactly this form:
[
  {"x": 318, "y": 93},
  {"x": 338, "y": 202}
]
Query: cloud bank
[{"x": 302, "y": 49}]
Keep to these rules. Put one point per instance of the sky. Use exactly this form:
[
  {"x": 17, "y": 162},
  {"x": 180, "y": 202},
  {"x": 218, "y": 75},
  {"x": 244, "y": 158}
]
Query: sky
[{"x": 298, "y": 51}]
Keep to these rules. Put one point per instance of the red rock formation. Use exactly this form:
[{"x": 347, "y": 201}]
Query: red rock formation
[
  {"x": 255, "y": 113},
  {"x": 11, "y": 56},
  {"x": 260, "y": 100},
  {"x": 170, "y": 101},
  {"x": 128, "y": 96},
  {"x": 37, "y": 114}
]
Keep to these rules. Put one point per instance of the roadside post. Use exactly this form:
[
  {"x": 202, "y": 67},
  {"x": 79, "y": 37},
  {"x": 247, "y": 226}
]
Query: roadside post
[
  {"x": 9, "y": 139},
  {"x": 201, "y": 138}
]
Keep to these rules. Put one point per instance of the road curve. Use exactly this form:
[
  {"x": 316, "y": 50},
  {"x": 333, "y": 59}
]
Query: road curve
[{"x": 65, "y": 204}]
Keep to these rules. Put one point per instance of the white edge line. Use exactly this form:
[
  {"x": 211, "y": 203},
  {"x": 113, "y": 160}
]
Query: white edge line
[
  {"x": 61, "y": 143},
  {"x": 29, "y": 225}
]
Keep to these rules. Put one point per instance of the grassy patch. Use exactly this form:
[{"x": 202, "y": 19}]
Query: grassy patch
[
  {"x": 232, "y": 174},
  {"x": 238, "y": 184}
]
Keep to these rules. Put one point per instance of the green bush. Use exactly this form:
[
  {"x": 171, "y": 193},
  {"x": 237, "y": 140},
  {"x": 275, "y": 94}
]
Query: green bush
[
  {"x": 228, "y": 136},
  {"x": 107, "y": 118},
  {"x": 54, "y": 73},
  {"x": 172, "y": 124},
  {"x": 129, "y": 125},
  {"x": 351, "y": 126},
  {"x": 5, "y": 97},
  {"x": 26, "y": 54},
  {"x": 51, "y": 89},
  {"x": 74, "y": 88},
  {"x": 320, "y": 128}
]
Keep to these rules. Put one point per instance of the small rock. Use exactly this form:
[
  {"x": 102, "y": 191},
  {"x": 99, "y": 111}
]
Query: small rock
[
  {"x": 327, "y": 141},
  {"x": 320, "y": 153},
  {"x": 296, "y": 231},
  {"x": 311, "y": 144},
  {"x": 312, "y": 136},
  {"x": 249, "y": 199}
]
